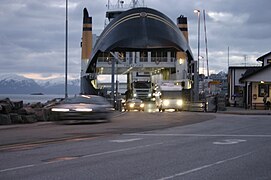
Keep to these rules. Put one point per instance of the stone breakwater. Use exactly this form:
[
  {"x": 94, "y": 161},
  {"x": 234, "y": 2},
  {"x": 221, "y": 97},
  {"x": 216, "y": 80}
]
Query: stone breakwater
[{"x": 16, "y": 112}]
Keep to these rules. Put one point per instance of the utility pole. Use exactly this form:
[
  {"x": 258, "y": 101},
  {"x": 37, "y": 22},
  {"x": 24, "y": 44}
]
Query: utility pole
[
  {"x": 66, "y": 53},
  {"x": 196, "y": 73},
  {"x": 206, "y": 45},
  {"x": 245, "y": 58},
  {"x": 113, "y": 81},
  {"x": 228, "y": 57}
]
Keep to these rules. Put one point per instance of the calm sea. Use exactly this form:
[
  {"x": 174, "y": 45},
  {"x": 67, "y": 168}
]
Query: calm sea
[{"x": 27, "y": 98}]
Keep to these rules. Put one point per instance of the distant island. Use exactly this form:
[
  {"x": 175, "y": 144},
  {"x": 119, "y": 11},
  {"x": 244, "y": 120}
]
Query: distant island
[{"x": 36, "y": 94}]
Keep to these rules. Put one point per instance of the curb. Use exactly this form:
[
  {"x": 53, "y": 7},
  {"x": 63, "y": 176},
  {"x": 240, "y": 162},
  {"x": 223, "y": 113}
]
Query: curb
[{"x": 245, "y": 113}]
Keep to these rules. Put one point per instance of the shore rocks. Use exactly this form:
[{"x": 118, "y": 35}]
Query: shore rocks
[{"x": 18, "y": 113}]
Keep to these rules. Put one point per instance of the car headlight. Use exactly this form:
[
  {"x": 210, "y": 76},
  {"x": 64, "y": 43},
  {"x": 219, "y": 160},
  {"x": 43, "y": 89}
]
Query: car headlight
[
  {"x": 60, "y": 110},
  {"x": 165, "y": 102},
  {"x": 132, "y": 105},
  {"x": 141, "y": 105},
  {"x": 179, "y": 102},
  {"x": 83, "y": 109}
]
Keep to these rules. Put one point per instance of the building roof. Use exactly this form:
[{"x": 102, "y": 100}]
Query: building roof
[
  {"x": 253, "y": 71},
  {"x": 263, "y": 56},
  {"x": 139, "y": 29}
]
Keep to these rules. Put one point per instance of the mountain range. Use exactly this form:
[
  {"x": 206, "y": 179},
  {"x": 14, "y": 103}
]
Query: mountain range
[{"x": 15, "y": 84}]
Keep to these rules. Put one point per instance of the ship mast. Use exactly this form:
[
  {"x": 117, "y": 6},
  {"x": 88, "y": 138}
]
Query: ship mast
[{"x": 114, "y": 8}]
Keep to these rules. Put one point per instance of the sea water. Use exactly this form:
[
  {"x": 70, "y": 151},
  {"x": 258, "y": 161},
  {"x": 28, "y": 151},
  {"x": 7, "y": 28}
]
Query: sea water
[{"x": 27, "y": 98}]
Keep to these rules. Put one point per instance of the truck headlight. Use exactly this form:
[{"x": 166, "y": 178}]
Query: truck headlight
[
  {"x": 132, "y": 105},
  {"x": 179, "y": 102},
  {"x": 165, "y": 102}
]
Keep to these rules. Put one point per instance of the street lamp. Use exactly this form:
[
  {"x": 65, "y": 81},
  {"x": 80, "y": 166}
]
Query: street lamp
[
  {"x": 196, "y": 79},
  {"x": 198, "y": 14},
  {"x": 66, "y": 52}
]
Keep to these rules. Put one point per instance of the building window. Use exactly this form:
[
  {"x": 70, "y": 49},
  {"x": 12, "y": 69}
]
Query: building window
[
  {"x": 268, "y": 61},
  {"x": 263, "y": 88},
  {"x": 238, "y": 91}
]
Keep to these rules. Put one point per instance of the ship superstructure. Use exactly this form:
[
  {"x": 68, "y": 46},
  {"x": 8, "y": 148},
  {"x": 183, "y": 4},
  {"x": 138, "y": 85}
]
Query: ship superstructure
[{"x": 141, "y": 41}]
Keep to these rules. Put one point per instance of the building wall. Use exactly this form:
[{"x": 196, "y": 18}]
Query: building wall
[
  {"x": 256, "y": 97},
  {"x": 267, "y": 60},
  {"x": 235, "y": 73},
  {"x": 257, "y": 85}
]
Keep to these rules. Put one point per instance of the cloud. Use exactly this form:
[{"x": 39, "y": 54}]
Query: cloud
[
  {"x": 228, "y": 18},
  {"x": 32, "y": 33}
]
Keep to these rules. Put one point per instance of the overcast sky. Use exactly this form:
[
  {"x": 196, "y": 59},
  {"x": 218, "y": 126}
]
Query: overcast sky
[{"x": 32, "y": 33}]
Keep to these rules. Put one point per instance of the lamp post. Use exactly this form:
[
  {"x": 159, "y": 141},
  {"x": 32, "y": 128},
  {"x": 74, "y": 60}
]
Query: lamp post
[
  {"x": 66, "y": 52},
  {"x": 196, "y": 89},
  {"x": 198, "y": 14}
]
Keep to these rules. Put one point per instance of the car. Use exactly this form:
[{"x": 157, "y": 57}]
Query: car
[
  {"x": 134, "y": 104},
  {"x": 83, "y": 108}
]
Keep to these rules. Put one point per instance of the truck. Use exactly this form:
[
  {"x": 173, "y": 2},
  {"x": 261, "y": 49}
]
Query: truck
[
  {"x": 142, "y": 86},
  {"x": 169, "y": 96},
  {"x": 142, "y": 90}
]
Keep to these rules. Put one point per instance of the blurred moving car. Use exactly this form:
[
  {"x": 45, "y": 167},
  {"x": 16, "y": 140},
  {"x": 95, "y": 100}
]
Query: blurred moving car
[
  {"x": 83, "y": 108},
  {"x": 134, "y": 104}
]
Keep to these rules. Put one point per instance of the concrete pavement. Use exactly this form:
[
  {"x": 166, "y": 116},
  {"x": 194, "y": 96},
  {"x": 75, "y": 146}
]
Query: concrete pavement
[{"x": 243, "y": 111}]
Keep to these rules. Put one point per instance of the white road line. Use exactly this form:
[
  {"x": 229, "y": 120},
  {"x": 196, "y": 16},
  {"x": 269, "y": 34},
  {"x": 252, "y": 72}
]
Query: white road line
[
  {"x": 121, "y": 150},
  {"x": 205, "y": 166},
  {"x": 16, "y": 168},
  {"x": 229, "y": 141},
  {"x": 125, "y": 140},
  {"x": 85, "y": 156},
  {"x": 203, "y": 135}
]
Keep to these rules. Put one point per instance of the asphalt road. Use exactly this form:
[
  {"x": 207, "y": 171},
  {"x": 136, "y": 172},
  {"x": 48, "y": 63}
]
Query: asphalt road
[{"x": 181, "y": 146}]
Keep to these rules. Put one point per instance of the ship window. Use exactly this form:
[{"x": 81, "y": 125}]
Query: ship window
[
  {"x": 143, "y": 56},
  {"x": 122, "y": 56}
]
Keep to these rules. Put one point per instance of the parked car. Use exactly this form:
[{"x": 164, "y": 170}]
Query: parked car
[
  {"x": 83, "y": 108},
  {"x": 134, "y": 104}
]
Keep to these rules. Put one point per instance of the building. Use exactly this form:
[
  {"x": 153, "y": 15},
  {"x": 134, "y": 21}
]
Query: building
[{"x": 248, "y": 85}]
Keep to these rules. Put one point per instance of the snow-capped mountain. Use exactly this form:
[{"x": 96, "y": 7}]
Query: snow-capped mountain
[
  {"x": 57, "y": 81},
  {"x": 15, "y": 84}
]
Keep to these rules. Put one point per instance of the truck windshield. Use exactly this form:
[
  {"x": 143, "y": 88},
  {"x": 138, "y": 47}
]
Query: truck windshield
[
  {"x": 170, "y": 94},
  {"x": 145, "y": 85}
]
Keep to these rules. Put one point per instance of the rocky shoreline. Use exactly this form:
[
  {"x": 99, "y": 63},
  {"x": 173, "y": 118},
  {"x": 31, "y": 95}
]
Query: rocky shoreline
[{"x": 16, "y": 112}]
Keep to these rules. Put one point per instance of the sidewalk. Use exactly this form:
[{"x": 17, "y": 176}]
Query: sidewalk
[{"x": 243, "y": 111}]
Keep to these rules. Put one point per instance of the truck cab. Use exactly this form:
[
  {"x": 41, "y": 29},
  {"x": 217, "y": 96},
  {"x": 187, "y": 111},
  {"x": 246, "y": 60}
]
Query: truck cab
[
  {"x": 168, "y": 96},
  {"x": 142, "y": 90}
]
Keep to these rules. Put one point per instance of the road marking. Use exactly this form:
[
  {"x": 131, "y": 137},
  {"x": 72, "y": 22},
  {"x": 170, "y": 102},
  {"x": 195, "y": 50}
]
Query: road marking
[
  {"x": 84, "y": 156},
  {"x": 125, "y": 140},
  {"x": 205, "y": 166},
  {"x": 229, "y": 141},
  {"x": 122, "y": 150},
  {"x": 16, "y": 168},
  {"x": 203, "y": 135}
]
